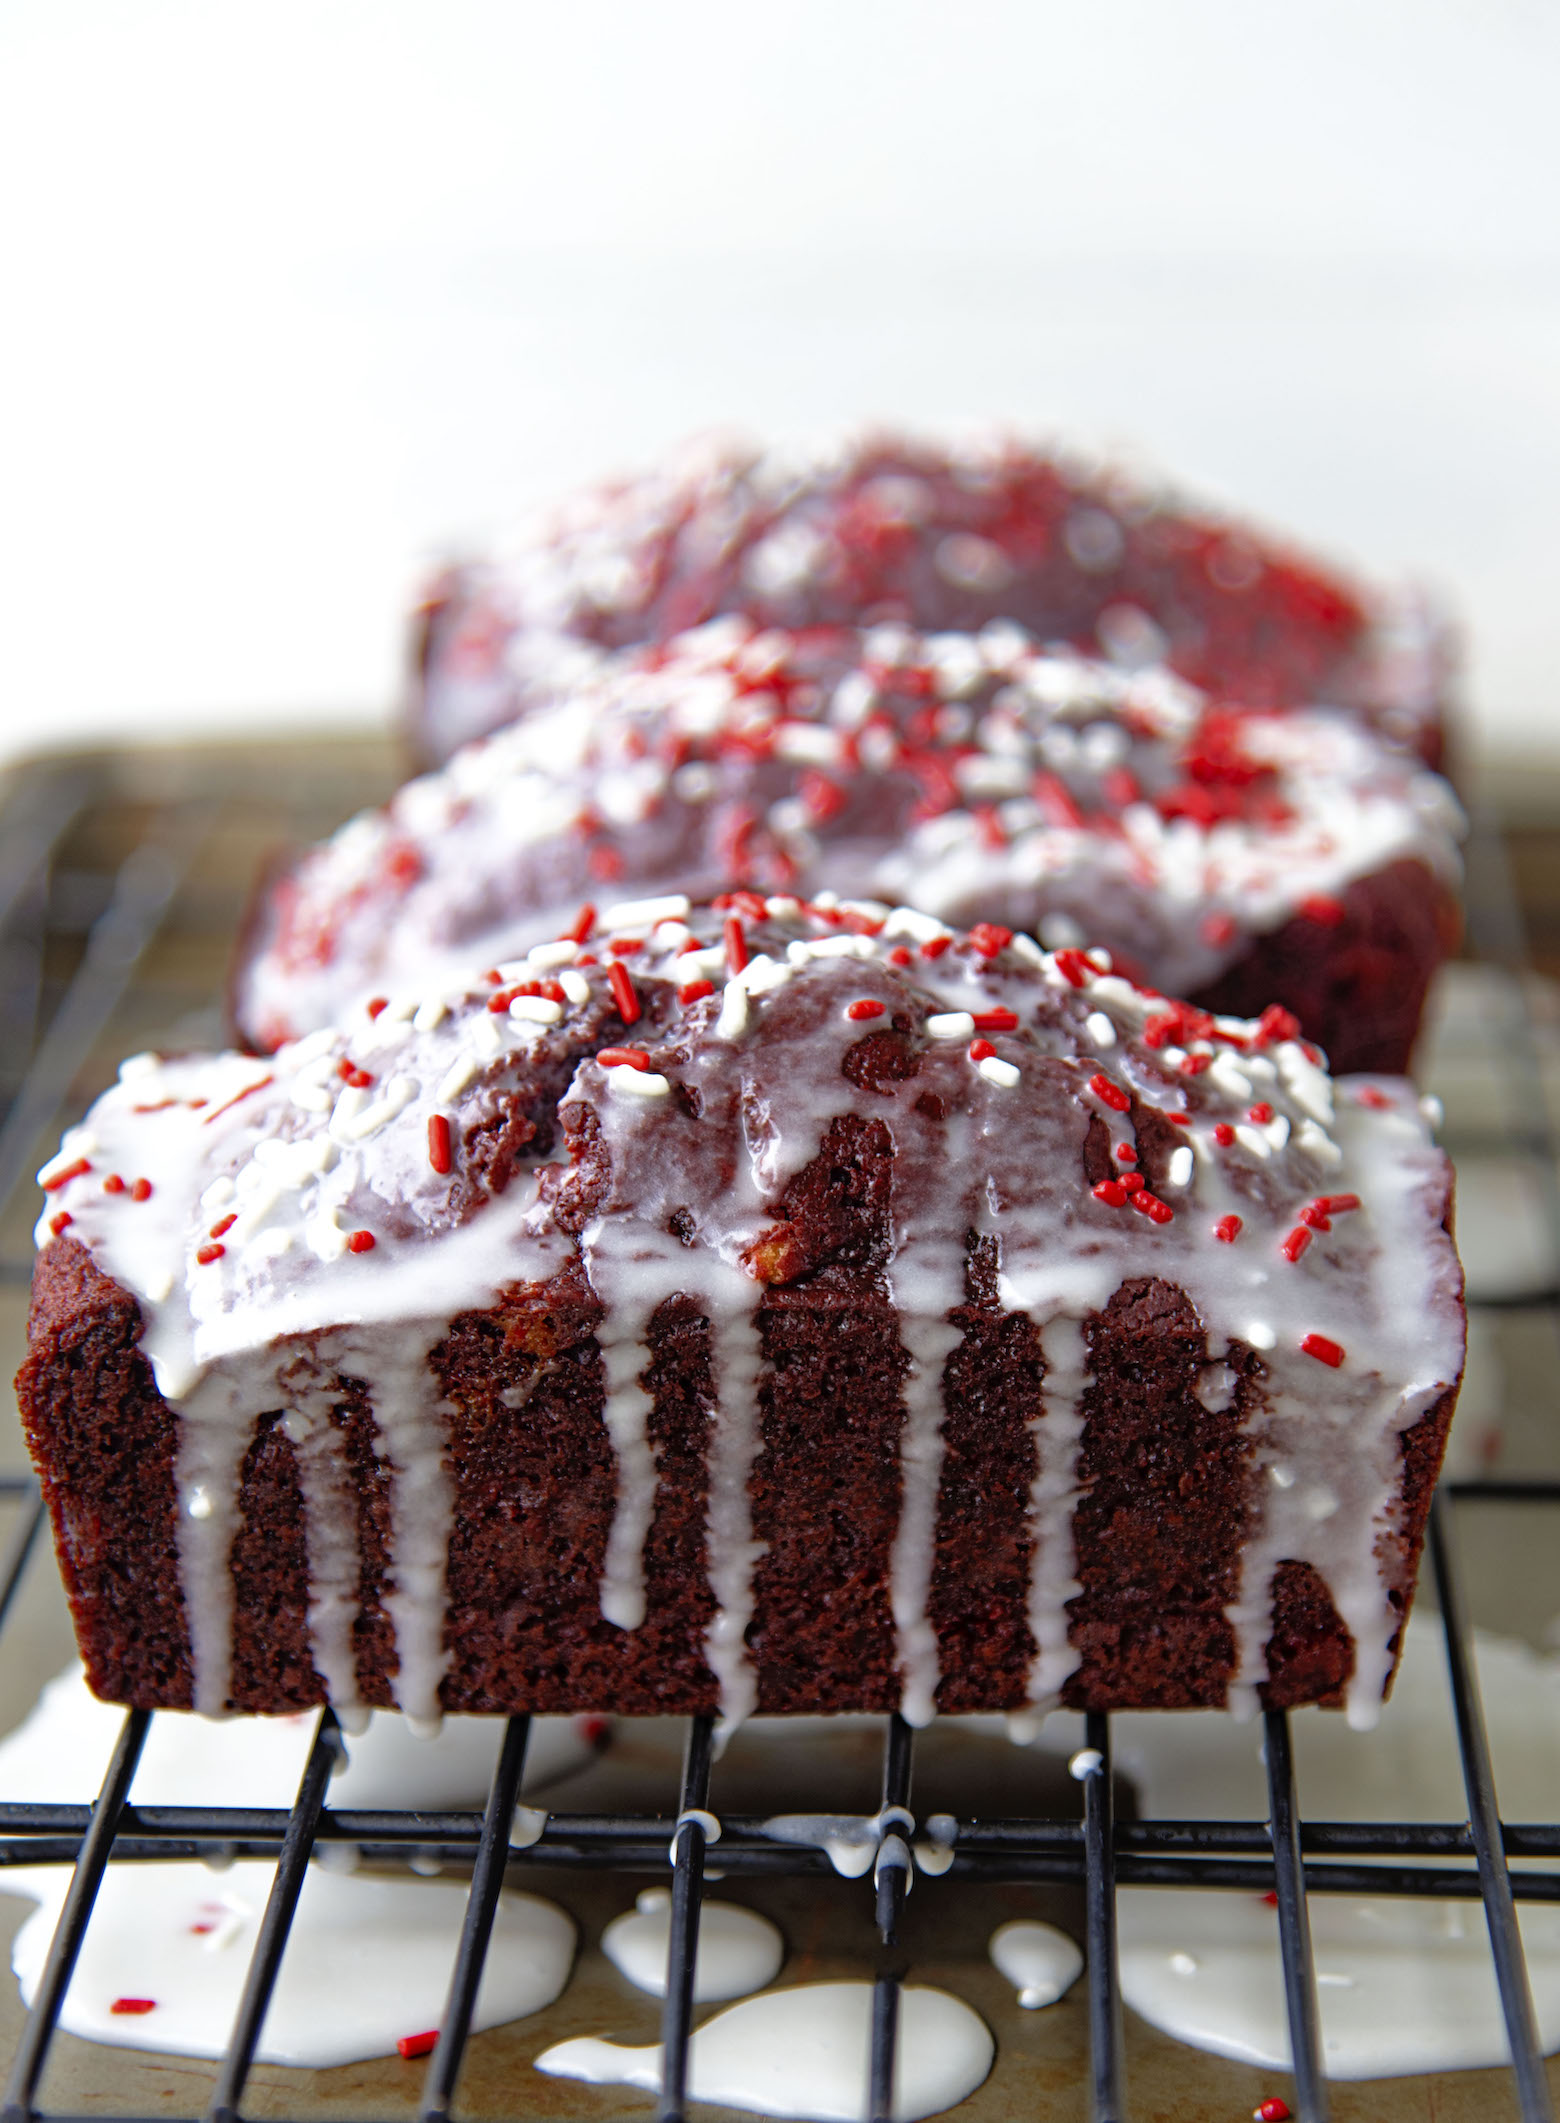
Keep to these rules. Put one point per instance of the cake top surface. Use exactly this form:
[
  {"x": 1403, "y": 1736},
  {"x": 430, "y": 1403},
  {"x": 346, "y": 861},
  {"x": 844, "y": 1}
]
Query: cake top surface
[
  {"x": 973, "y": 773},
  {"x": 671, "y": 1071},
  {"x": 884, "y": 526}
]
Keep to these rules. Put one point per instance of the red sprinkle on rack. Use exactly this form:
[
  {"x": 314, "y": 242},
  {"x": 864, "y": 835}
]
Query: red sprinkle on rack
[
  {"x": 1109, "y": 1094},
  {"x": 1296, "y": 1243},
  {"x": 1227, "y": 1229},
  {"x": 1323, "y": 1348},
  {"x": 736, "y": 945},
  {"x": 440, "y": 1147},
  {"x": 864, "y": 1007},
  {"x": 624, "y": 993},
  {"x": 133, "y": 2006},
  {"x": 421, "y": 2045},
  {"x": 1272, "y": 2110},
  {"x": 360, "y": 1242},
  {"x": 622, "y": 1057}
]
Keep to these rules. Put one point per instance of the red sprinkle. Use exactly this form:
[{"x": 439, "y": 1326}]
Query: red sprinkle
[
  {"x": 439, "y": 1142},
  {"x": 493, "y": 977},
  {"x": 899, "y": 956},
  {"x": 1315, "y": 1215},
  {"x": 1325, "y": 1350},
  {"x": 360, "y": 1242},
  {"x": 1329, "y": 912},
  {"x": 223, "y": 1226},
  {"x": 133, "y": 2005},
  {"x": 141, "y": 1191},
  {"x": 1112, "y": 1192},
  {"x": 1131, "y": 1181},
  {"x": 936, "y": 947},
  {"x": 623, "y": 1058},
  {"x": 1125, "y": 1154},
  {"x": 1368, "y": 1095},
  {"x": 998, "y": 1020},
  {"x": 418, "y": 2045},
  {"x": 59, "y": 1220},
  {"x": 864, "y": 1007},
  {"x": 1224, "y": 1135},
  {"x": 696, "y": 991},
  {"x": 350, "y": 1073},
  {"x": 1296, "y": 1243},
  {"x": 1109, "y": 1094},
  {"x": 990, "y": 937},
  {"x": 1277, "y": 1023},
  {"x": 1152, "y": 1207},
  {"x": 205, "y": 1255},
  {"x": 1218, "y": 929},
  {"x": 981, "y": 1050},
  {"x": 113, "y": 1184},
  {"x": 1195, "y": 1064},
  {"x": 1272, "y": 2110},
  {"x": 1074, "y": 967},
  {"x": 623, "y": 992},
  {"x": 376, "y": 1003},
  {"x": 736, "y": 945},
  {"x": 1227, "y": 1229},
  {"x": 57, "y": 1180},
  {"x": 1338, "y": 1204},
  {"x": 1177, "y": 1120},
  {"x": 1261, "y": 1113},
  {"x": 500, "y": 1000},
  {"x": 584, "y": 922}
]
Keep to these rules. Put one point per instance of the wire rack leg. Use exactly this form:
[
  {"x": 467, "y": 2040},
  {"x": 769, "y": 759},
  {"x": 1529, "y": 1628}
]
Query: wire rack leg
[
  {"x": 1500, "y": 1914},
  {"x": 682, "y": 1948},
  {"x": 891, "y": 1877},
  {"x": 71, "y": 1929},
  {"x": 277, "y": 1921},
  {"x": 1294, "y": 1924},
  {"x": 16, "y": 1557},
  {"x": 1099, "y": 1886},
  {"x": 487, "y": 1878}
]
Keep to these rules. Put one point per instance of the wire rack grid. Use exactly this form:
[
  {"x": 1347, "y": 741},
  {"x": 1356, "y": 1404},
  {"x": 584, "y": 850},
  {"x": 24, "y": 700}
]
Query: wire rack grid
[{"x": 82, "y": 918}]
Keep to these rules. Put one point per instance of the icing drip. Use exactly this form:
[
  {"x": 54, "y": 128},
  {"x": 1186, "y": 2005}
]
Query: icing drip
[
  {"x": 215, "y": 1428},
  {"x": 739, "y": 1950},
  {"x": 367, "y": 1961},
  {"x": 804, "y": 2052},
  {"x": 1041, "y": 1962},
  {"x": 1053, "y": 1495},
  {"x": 330, "y": 1521}
]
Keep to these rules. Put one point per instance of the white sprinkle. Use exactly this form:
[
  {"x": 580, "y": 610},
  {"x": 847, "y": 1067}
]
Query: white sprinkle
[
  {"x": 349, "y": 1105},
  {"x": 575, "y": 986},
  {"x": 1100, "y": 957},
  {"x": 535, "y": 1010},
  {"x": 137, "y": 1065},
  {"x": 1254, "y": 1140},
  {"x": 314, "y": 1098},
  {"x": 1059, "y": 932},
  {"x": 198, "y": 1503},
  {"x": 1277, "y": 1130},
  {"x": 1179, "y": 1170},
  {"x": 430, "y": 1014},
  {"x": 485, "y": 1037},
  {"x": 398, "y": 1010},
  {"x": 732, "y": 1021},
  {"x": 1260, "y": 1335},
  {"x": 645, "y": 913},
  {"x": 546, "y": 956},
  {"x": 997, "y": 1071},
  {"x": 762, "y": 974},
  {"x": 327, "y": 1241},
  {"x": 920, "y": 928},
  {"x": 627, "y": 1082},
  {"x": 1281, "y": 1477},
  {"x": 1432, "y": 1109},
  {"x": 844, "y": 947},
  {"x": 1026, "y": 949},
  {"x": 398, "y": 1095},
  {"x": 951, "y": 1024},
  {"x": 218, "y": 1194},
  {"x": 462, "y": 1071},
  {"x": 1100, "y": 1029},
  {"x": 311, "y": 1047},
  {"x": 1318, "y": 1146}
]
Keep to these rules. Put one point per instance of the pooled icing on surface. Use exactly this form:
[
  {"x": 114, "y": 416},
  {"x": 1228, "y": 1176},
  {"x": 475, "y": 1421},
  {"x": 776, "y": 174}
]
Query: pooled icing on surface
[
  {"x": 739, "y": 1950},
  {"x": 979, "y": 776},
  {"x": 1041, "y": 1962},
  {"x": 367, "y": 1964},
  {"x": 632, "y": 1102},
  {"x": 940, "y": 535},
  {"x": 805, "y": 2052}
]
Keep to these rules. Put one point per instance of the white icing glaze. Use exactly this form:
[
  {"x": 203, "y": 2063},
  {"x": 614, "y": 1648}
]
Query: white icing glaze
[
  {"x": 739, "y": 1950},
  {"x": 367, "y": 1964},
  {"x": 804, "y": 2053},
  {"x": 688, "y": 1204},
  {"x": 63, "y": 1746},
  {"x": 1041, "y": 1962}
]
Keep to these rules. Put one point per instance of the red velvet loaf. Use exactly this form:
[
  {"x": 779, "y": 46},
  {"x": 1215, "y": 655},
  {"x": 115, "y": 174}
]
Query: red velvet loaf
[
  {"x": 896, "y": 528},
  {"x": 797, "y": 1308},
  {"x": 1236, "y": 856}
]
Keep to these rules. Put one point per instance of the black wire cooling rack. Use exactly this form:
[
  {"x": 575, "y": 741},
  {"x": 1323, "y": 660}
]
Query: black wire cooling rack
[{"x": 82, "y": 923}]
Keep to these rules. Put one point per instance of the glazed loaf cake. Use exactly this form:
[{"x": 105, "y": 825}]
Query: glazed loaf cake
[
  {"x": 1232, "y": 855},
  {"x": 800, "y": 1308},
  {"x": 894, "y": 527}
]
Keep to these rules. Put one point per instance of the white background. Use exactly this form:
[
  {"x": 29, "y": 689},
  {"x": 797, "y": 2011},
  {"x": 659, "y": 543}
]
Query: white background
[{"x": 294, "y": 295}]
